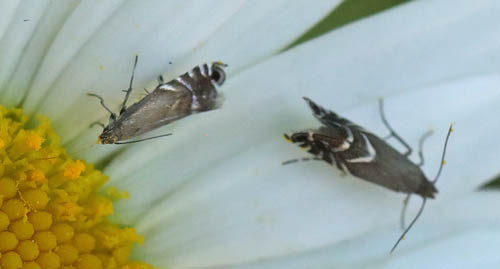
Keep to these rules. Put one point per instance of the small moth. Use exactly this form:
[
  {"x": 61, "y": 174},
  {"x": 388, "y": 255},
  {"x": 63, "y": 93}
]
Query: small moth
[
  {"x": 192, "y": 92},
  {"x": 356, "y": 151}
]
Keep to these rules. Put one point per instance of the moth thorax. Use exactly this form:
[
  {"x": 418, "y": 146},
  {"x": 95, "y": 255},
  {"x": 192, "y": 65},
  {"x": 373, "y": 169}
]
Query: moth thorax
[{"x": 204, "y": 99}]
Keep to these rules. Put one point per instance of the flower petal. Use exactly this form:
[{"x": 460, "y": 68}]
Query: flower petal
[
  {"x": 93, "y": 58},
  {"x": 19, "y": 21},
  {"x": 248, "y": 203},
  {"x": 259, "y": 30},
  {"x": 97, "y": 55},
  {"x": 313, "y": 70},
  {"x": 460, "y": 234}
]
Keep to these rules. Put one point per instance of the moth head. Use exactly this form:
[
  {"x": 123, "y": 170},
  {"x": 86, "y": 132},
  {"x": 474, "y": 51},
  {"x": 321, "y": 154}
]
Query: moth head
[
  {"x": 108, "y": 135},
  {"x": 218, "y": 75}
]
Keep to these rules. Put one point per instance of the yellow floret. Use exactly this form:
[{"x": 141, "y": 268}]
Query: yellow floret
[
  {"x": 41, "y": 220},
  {"x": 8, "y": 241},
  {"x": 28, "y": 250},
  {"x": 22, "y": 229},
  {"x": 122, "y": 254},
  {"x": 52, "y": 214},
  {"x": 11, "y": 260},
  {"x": 89, "y": 261},
  {"x": 67, "y": 253},
  {"x": 49, "y": 260},
  {"x": 14, "y": 208},
  {"x": 8, "y": 188},
  {"x": 84, "y": 242},
  {"x": 45, "y": 240},
  {"x": 36, "y": 199},
  {"x": 4, "y": 221},
  {"x": 63, "y": 232}
]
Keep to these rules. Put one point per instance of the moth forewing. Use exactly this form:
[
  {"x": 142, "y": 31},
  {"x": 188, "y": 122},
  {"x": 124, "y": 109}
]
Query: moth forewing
[{"x": 379, "y": 163}]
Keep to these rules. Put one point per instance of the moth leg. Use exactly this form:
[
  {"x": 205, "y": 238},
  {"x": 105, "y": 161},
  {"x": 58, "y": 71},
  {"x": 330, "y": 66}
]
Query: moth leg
[
  {"x": 160, "y": 80},
  {"x": 338, "y": 163},
  {"x": 147, "y": 92},
  {"x": 421, "y": 146},
  {"x": 96, "y": 123},
  {"x": 113, "y": 115},
  {"x": 124, "y": 105},
  {"x": 403, "y": 211},
  {"x": 392, "y": 132},
  {"x": 301, "y": 160}
]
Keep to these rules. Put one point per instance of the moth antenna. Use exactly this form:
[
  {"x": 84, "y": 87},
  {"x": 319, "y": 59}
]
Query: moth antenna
[
  {"x": 113, "y": 115},
  {"x": 425, "y": 199},
  {"x": 444, "y": 153},
  {"x": 124, "y": 105},
  {"x": 96, "y": 123},
  {"x": 144, "y": 139},
  {"x": 409, "y": 226},
  {"x": 298, "y": 160}
]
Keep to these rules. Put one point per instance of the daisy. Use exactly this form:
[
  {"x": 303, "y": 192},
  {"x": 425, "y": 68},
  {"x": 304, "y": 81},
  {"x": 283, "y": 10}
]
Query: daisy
[{"x": 214, "y": 194}]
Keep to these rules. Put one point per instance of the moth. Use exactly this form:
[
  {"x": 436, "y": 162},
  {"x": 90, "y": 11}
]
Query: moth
[
  {"x": 358, "y": 152},
  {"x": 192, "y": 92}
]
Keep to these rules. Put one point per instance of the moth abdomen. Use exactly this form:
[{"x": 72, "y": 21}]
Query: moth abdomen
[{"x": 427, "y": 189}]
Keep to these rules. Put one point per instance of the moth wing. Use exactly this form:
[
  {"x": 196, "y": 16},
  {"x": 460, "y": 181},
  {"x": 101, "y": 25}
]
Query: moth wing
[
  {"x": 325, "y": 116},
  {"x": 387, "y": 167}
]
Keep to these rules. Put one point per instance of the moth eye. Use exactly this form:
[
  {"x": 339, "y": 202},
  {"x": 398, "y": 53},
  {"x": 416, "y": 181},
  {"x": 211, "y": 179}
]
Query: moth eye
[
  {"x": 218, "y": 74},
  {"x": 298, "y": 137}
]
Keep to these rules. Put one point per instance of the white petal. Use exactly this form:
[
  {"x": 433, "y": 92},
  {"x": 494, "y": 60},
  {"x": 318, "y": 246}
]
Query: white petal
[
  {"x": 161, "y": 32},
  {"x": 343, "y": 65},
  {"x": 249, "y": 203},
  {"x": 107, "y": 37},
  {"x": 251, "y": 34},
  {"x": 460, "y": 234},
  {"x": 264, "y": 101},
  {"x": 19, "y": 22},
  {"x": 259, "y": 30}
]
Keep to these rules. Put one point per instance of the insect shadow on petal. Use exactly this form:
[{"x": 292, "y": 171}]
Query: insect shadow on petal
[
  {"x": 193, "y": 92},
  {"x": 356, "y": 151}
]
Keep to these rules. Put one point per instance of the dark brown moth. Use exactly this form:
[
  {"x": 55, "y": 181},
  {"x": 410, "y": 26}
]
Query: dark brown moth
[
  {"x": 192, "y": 92},
  {"x": 356, "y": 151}
]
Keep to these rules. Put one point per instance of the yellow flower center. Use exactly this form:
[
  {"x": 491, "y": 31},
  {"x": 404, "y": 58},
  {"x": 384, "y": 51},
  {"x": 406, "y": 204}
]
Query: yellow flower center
[{"x": 51, "y": 214}]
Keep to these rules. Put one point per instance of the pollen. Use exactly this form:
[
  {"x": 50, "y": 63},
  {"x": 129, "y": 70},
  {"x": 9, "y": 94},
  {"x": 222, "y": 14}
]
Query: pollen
[
  {"x": 52, "y": 212},
  {"x": 34, "y": 141},
  {"x": 74, "y": 170}
]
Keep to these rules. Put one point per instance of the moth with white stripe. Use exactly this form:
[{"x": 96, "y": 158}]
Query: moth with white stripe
[
  {"x": 356, "y": 151},
  {"x": 192, "y": 92}
]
